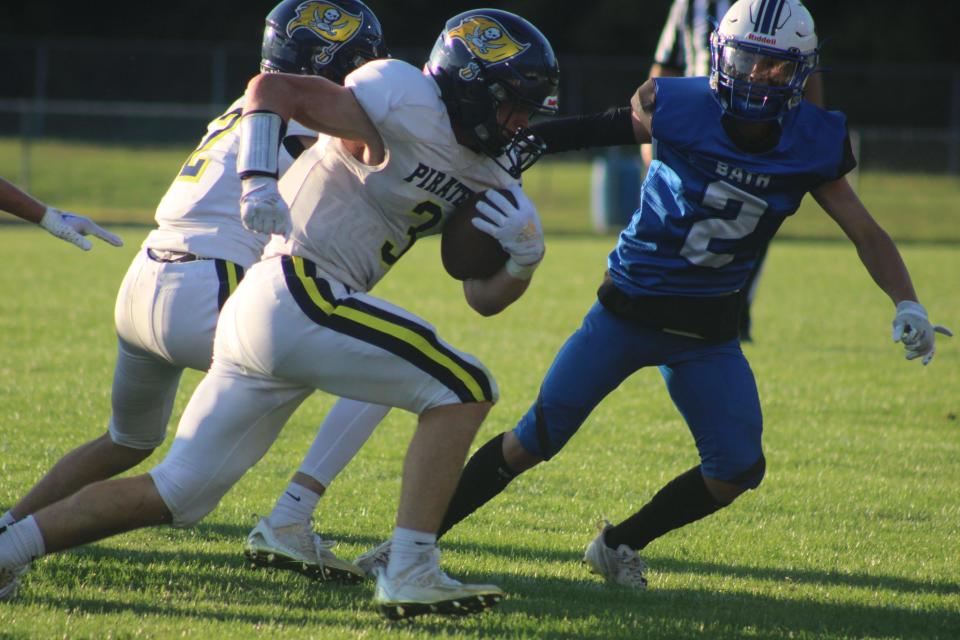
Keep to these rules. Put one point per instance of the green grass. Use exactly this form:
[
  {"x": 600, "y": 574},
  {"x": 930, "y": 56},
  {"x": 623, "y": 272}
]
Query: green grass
[
  {"x": 124, "y": 184},
  {"x": 852, "y": 535}
]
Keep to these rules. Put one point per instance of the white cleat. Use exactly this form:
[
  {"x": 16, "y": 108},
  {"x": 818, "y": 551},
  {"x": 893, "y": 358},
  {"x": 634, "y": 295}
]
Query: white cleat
[
  {"x": 617, "y": 566},
  {"x": 374, "y": 560},
  {"x": 297, "y": 547},
  {"x": 425, "y": 588},
  {"x": 10, "y": 581}
]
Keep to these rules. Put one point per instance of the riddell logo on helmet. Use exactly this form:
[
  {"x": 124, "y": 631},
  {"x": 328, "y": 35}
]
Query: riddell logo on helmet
[{"x": 762, "y": 39}]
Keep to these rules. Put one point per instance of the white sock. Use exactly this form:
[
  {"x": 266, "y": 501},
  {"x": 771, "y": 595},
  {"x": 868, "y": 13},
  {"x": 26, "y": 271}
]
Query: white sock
[
  {"x": 406, "y": 549},
  {"x": 7, "y": 519},
  {"x": 21, "y": 543},
  {"x": 294, "y": 505}
]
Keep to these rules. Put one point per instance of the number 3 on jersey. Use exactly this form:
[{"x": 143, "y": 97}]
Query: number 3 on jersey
[
  {"x": 195, "y": 165},
  {"x": 430, "y": 213},
  {"x": 722, "y": 196}
]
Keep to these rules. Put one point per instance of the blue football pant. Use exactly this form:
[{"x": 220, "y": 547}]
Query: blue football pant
[{"x": 711, "y": 385}]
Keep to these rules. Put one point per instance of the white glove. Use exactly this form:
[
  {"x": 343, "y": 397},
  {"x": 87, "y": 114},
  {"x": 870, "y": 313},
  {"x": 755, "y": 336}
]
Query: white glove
[
  {"x": 516, "y": 228},
  {"x": 72, "y": 228},
  {"x": 912, "y": 327},
  {"x": 262, "y": 208}
]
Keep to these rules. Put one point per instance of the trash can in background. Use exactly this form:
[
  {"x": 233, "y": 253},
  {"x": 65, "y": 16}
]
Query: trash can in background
[{"x": 614, "y": 190}]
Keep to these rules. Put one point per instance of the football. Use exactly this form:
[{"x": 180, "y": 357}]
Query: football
[{"x": 468, "y": 253}]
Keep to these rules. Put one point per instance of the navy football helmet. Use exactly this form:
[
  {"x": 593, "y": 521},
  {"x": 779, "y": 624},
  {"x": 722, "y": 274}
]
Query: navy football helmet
[
  {"x": 761, "y": 56},
  {"x": 328, "y": 39},
  {"x": 486, "y": 58}
]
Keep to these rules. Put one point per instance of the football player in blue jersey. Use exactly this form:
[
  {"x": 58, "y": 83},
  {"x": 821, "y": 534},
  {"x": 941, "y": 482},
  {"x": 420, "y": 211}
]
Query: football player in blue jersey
[{"x": 734, "y": 155}]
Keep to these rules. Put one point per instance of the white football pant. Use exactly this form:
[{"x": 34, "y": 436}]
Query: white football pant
[
  {"x": 166, "y": 315},
  {"x": 287, "y": 331}
]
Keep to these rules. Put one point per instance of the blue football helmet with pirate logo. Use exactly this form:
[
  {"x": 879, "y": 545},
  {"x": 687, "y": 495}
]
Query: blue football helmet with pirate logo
[
  {"x": 486, "y": 58},
  {"x": 329, "y": 39},
  {"x": 761, "y": 56}
]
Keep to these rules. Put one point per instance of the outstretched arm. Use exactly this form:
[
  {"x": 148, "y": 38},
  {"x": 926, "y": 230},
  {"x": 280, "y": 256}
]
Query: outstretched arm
[
  {"x": 882, "y": 259},
  {"x": 877, "y": 251},
  {"x": 610, "y": 128},
  {"x": 63, "y": 225},
  {"x": 20, "y": 203}
]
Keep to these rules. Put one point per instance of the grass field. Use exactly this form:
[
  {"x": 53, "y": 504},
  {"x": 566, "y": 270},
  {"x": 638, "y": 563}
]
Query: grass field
[
  {"x": 123, "y": 185},
  {"x": 854, "y": 533}
]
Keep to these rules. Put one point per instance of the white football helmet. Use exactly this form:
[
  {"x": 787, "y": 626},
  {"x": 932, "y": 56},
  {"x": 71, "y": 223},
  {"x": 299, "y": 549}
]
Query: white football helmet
[{"x": 761, "y": 56}]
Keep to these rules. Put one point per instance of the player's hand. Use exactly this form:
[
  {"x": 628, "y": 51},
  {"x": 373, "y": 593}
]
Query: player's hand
[
  {"x": 913, "y": 329},
  {"x": 517, "y": 228},
  {"x": 262, "y": 208},
  {"x": 72, "y": 228}
]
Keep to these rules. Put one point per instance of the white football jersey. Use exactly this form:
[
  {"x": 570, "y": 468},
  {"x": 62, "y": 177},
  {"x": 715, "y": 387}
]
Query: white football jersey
[
  {"x": 200, "y": 213},
  {"x": 354, "y": 221}
]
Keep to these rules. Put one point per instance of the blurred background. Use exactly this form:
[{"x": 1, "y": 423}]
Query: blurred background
[{"x": 101, "y": 104}]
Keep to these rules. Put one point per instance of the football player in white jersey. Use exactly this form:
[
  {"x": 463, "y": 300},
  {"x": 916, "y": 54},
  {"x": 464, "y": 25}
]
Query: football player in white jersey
[
  {"x": 409, "y": 147},
  {"x": 170, "y": 299},
  {"x": 61, "y": 224}
]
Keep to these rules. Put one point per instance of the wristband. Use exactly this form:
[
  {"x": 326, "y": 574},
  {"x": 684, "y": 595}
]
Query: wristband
[
  {"x": 51, "y": 220},
  {"x": 520, "y": 271},
  {"x": 907, "y": 306},
  {"x": 260, "y": 135}
]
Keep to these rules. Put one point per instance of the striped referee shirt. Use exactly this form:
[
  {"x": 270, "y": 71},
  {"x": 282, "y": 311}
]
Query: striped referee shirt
[{"x": 685, "y": 42}]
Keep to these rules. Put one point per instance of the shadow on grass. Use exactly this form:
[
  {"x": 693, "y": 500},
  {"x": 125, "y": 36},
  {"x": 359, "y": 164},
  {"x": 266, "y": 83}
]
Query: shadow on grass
[
  {"x": 662, "y": 564},
  {"x": 551, "y": 607},
  {"x": 191, "y": 584},
  {"x": 670, "y": 564}
]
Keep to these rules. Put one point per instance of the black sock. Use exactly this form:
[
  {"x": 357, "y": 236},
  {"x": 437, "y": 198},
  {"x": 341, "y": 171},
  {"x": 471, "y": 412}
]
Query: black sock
[
  {"x": 485, "y": 475},
  {"x": 682, "y": 501}
]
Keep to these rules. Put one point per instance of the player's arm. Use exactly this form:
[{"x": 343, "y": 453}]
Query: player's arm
[
  {"x": 20, "y": 203},
  {"x": 492, "y": 295},
  {"x": 658, "y": 70},
  {"x": 518, "y": 230},
  {"x": 883, "y": 261},
  {"x": 63, "y": 225},
  {"x": 613, "y": 127},
  {"x": 317, "y": 103}
]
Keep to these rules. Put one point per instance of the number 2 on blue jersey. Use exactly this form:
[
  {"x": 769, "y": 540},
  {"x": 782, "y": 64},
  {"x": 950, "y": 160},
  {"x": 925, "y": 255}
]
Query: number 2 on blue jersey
[{"x": 721, "y": 196}]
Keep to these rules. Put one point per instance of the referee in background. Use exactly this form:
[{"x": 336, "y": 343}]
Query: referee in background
[{"x": 684, "y": 50}]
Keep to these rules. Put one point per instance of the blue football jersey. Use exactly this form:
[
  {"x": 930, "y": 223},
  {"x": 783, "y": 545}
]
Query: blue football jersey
[{"x": 707, "y": 206}]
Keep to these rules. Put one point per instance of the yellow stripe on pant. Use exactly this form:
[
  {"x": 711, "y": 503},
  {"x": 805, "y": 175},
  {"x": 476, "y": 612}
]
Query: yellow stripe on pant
[{"x": 331, "y": 307}]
